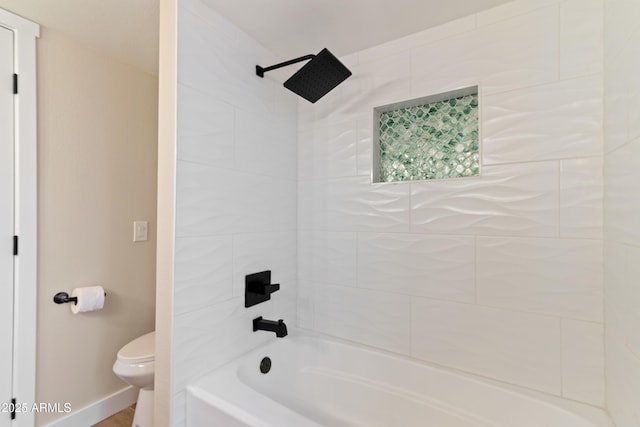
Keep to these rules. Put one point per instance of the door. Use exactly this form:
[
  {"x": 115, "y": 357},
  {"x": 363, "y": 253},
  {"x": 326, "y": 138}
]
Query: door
[{"x": 6, "y": 221}]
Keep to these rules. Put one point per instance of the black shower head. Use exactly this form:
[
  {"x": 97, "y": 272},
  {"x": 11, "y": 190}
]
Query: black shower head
[{"x": 317, "y": 78}]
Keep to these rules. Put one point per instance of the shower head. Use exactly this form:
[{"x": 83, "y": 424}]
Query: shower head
[{"x": 317, "y": 78}]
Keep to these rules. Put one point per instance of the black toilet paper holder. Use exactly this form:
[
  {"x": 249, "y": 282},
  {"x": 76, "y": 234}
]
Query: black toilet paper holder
[{"x": 63, "y": 297}]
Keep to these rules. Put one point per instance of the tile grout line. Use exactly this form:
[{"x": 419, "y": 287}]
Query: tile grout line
[
  {"x": 561, "y": 357},
  {"x": 475, "y": 267},
  {"x": 326, "y": 179},
  {"x": 358, "y": 259},
  {"x": 559, "y": 39},
  {"x": 410, "y": 208},
  {"x": 559, "y": 198},
  {"x": 411, "y": 326}
]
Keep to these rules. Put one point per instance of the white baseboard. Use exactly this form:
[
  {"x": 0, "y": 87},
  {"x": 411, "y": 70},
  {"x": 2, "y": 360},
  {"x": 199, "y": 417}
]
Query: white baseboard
[{"x": 99, "y": 410}]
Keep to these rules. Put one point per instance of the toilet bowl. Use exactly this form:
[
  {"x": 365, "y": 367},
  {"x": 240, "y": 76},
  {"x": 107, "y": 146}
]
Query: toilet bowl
[{"x": 135, "y": 365}]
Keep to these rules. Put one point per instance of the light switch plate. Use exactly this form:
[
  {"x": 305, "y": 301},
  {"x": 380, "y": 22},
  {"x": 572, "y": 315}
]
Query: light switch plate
[{"x": 140, "y": 229}]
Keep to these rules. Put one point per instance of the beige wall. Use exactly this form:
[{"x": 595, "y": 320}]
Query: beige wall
[{"x": 97, "y": 155}]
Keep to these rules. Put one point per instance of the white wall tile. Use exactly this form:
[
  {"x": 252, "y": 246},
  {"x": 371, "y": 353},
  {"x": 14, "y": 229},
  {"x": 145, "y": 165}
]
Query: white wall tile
[
  {"x": 622, "y": 382},
  {"x": 205, "y": 339},
  {"x": 327, "y": 257},
  {"x": 213, "y": 201},
  {"x": 285, "y": 204},
  {"x": 616, "y": 275},
  {"x": 203, "y": 272},
  {"x": 436, "y": 266},
  {"x": 623, "y": 293},
  {"x": 218, "y": 59},
  {"x": 559, "y": 277},
  {"x": 356, "y": 314},
  {"x": 581, "y": 198},
  {"x": 621, "y": 22},
  {"x": 516, "y": 199},
  {"x": 263, "y": 203},
  {"x": 284, "y": 306},
  {"x": 253, "y": 203},
  {"x": 632, "y": 312},
  {"x": 353, "y": 204},
  {"x": 365, "y": 147},
  {"x": 581, "y": 37},
  {"x": 349, "y": 60},
  {"x": 205, "y": 128},
  {"x": 324, "y": 111},
  {"x": 622, "y": 204},
  {"x": 266, "y": 144},
  {"x": 236, "y": 201},
  {"x": 617, "y": 99},
  {"x": 255, "y": 252},
  {"x": 511, "y": 54},
  {"x": 622, "y": 238},
  {"x": 179, "y": 411},
  {"x": 633, "y": 86},
  {"x": 583, "y": 361},
  {"x": 372, "y": 84},
  {"x": 328, "y": 151},
  {"x": 204, "y": 200},
  {"x": 514, "y": 347},
  {"x": 553, "y": 121},
  {"x": 417, "y": 39},
  {"x": 622, "y": 386},
  {"x": 305, "y": 305},
  {"x": 535, "y": 121},
  {"x": 512, "y": 9}
]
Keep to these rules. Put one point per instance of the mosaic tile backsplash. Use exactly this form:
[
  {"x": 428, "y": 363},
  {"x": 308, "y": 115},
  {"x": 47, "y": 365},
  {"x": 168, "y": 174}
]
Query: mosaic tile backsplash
[{"x": 430, "y": 141}]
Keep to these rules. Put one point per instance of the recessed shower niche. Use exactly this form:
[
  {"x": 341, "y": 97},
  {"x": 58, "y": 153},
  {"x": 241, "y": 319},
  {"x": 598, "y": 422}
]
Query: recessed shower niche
[{"x": 433, "y": 137}]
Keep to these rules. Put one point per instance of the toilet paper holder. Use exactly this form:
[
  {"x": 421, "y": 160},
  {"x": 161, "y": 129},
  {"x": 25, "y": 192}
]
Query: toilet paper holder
[{"x": 63, "y": 297}]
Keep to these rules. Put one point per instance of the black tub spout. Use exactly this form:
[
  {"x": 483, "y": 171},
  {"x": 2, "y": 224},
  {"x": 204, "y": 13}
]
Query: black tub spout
[{"x": 260, "y": 324}]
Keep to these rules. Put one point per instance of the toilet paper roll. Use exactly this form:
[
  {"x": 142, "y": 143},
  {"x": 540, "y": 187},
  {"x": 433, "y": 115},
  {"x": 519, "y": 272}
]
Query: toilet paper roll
[{"x": 90, "y": 298}]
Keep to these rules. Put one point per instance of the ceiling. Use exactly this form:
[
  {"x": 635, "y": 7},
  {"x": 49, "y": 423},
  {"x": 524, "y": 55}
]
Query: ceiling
[
  {"x": 297, "y": 27},
  {"x": 128, "y": 29}
]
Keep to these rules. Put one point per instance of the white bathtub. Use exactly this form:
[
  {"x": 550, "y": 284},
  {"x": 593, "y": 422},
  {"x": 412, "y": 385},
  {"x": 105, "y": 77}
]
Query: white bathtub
[{"x": 316, "y": 381}]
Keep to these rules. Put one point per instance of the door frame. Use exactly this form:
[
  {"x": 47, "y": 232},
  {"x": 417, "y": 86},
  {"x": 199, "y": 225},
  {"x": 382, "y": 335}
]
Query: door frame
[{"x": 26, "y": 212}]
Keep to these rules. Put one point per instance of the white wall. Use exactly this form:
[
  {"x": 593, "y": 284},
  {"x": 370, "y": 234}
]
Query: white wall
[
  {"x": 97, "y": 157},
  {"x": 499, "y": 275},
  {"x": 622, "y": 210},
  {"x": 167, "y": 105},
  {"x": 235, "y": 195}
]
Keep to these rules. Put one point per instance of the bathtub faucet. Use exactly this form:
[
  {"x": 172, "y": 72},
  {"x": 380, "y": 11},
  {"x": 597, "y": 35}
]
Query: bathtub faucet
[{"x": 260, "y": 324}]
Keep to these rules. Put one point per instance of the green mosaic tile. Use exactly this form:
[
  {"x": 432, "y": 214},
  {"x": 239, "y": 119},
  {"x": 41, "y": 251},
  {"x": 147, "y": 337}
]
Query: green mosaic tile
[{"x": 430, "y": 141}]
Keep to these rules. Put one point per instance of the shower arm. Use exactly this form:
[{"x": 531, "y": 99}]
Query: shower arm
[{"x": 260, "y": 71}]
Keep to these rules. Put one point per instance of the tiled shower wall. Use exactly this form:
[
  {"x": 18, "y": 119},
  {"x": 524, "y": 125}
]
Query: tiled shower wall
[
  {"x": 499, "y": 275},
  {"x": 622, "y": 210},
  {"x": 236, "y": 195}
]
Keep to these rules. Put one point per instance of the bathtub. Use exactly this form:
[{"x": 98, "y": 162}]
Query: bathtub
[{"x": 316, "y": 381}]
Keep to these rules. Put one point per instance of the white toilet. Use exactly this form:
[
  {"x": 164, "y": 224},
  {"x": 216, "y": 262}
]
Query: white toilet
[{"x": 135, "y": 366}]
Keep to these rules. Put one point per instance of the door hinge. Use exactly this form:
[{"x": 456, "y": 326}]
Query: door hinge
[
  {"x": 13, "y": 408},
  {"x": 15, "y": 83},
  {"x": 15, "y": 245}
]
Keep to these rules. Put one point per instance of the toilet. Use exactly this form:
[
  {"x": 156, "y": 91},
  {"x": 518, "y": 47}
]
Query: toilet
[{"x": 135, "y": 366}]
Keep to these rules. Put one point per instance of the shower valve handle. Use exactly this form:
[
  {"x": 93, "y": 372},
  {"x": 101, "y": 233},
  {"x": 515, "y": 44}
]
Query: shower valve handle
[{"x": 258, "y": 288}]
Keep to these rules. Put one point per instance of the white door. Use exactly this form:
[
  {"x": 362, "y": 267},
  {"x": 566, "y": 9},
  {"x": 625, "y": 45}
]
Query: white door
[{"x": 6, "y": 221}]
